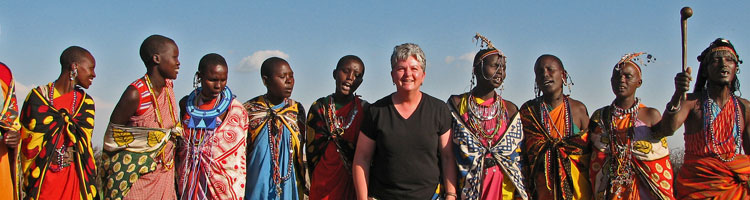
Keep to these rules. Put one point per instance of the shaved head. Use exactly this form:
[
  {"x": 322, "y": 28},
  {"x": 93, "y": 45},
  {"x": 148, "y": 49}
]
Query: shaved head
[
  {"x": 74, "y": 54},
  {"x": 154, "y": 44},
  {"x": 270, "y": 63}
]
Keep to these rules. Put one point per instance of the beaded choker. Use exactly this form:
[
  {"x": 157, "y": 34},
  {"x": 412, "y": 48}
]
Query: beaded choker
[
  {"x": 620, "y": 112},
  {"x": 206, "y": 119}
]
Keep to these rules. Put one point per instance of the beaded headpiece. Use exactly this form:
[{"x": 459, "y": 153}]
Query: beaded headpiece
[
  {"x": 484, "y": 42},
  {"x": 633, "y": 58}
]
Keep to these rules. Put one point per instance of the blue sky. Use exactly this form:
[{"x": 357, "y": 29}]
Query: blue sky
[{"x": 589, "y": 37}]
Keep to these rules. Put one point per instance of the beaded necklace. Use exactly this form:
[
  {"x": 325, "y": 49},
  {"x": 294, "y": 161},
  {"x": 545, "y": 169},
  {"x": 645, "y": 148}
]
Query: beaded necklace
[
  {"x": 621, "y": 168},
  {"x": 480, "y": 114},
  {"x": 335, "y": 122},
  {"x": 545, "y": 116},
  {"x": 157, "y": 112},
  {"x": 60, "y": 157},
  {"x": 708, "y": 118},
  {"x": 274, "y": 138},
  {"x": 52, "y": 97},
  {"x": 206, "y": 119}
]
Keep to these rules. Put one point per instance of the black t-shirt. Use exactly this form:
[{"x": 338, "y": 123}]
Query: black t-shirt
[{"x": 405, "y": 162}]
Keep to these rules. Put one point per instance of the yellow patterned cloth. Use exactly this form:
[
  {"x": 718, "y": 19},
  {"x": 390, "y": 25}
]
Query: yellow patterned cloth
[
  {"x": 130, "y": 152},
  {"x": 43, "y": 125}
]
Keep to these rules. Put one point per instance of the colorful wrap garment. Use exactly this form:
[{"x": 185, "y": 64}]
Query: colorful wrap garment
[
  {"x": 138, "y": 157},
  {"x": 44, "y": 126},
  {"x": 9, "y": 184},
  {"x": 557, "y": 167},
  {"x": 650, "y": 172},
  {"x": 275, "y": 167},
  {"x": 475, "y": 180},
  {"x": 211, "y": 161},
  {"x": 713, "y": 167},
  {"x": 330, "y": 148}
]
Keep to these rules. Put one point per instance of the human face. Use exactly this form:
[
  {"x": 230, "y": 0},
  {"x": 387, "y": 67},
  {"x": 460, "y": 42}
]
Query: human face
[
  {"x": 86, "y": 72},
  {"x": 722, "y": 68},
  {"x": 549, "y": 76},
  {"x": 494, "y": 69},
  {"x": 213, "y": 80},
  {"x": 408, "y": 74},
  {"x": 280, "y": 83},
  {"x": 625, "y": 80},
  {"x": 169, "y": 65},
  {"x": 348, "y": 77}
]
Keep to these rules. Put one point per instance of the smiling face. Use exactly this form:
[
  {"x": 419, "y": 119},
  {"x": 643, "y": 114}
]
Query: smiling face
[
  {"x": 213, "y": 80},
  {"x": 86, "y": 72},
  {"x": 408, "y": 74},
  {"x": 625, "y": 80},
  {"x": 348, "y": 77},
  {"x": 493, "y": 68},
  {"x": 722, "y": 68},
  {"x": 280, "y": 81},
  {"x": 168, "y": 63},
  {"x": 549, "y": 75}
]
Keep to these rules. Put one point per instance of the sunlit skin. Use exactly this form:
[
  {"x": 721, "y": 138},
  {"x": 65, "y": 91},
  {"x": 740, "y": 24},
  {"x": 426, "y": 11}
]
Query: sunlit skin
[
  {"x": 721, "y": 72},
  {"x": 493, "y": 67},
  {"x": 279, "y": 83},
  {"x": 86, "y": 72},
  {"x": 549, "y": 78},
  {"x": 722, "y": 69},
  {"x": 408, "y": 75},
  {"x": 348, "y": 78},
  {"x": 625, "y": 81},
  {"x": 167, "y": 66}
]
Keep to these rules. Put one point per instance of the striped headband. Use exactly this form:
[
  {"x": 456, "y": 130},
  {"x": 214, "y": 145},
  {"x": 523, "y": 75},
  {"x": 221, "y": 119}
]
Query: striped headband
[{"x": 724, "y": 48}]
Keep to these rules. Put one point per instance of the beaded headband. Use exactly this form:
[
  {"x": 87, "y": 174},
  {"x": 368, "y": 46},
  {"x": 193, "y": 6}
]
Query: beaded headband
[
  {"x": 633, "y": 58},
  {"x": 720, "y": 44}
]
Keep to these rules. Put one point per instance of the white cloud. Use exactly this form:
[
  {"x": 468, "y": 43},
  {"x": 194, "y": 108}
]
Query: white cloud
[
  {"x": 253, "y": 62},
  {"x": 469, "y": 57},
  {"x": 21, "y": 92},
  {"x": 449, "y": 59},
  {"x": 461, "y": 60}
]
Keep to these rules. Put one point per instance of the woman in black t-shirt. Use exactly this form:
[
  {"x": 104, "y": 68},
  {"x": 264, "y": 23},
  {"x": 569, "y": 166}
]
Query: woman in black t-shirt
[{"x": 406, "y": 137}]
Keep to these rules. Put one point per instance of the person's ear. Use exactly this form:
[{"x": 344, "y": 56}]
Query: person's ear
[
  {"x": 333, "y": 74},
  {"x": 265, "y": 80},
  {"x": 156, "y": 58}
]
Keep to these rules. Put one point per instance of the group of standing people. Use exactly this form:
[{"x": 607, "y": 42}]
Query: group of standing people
[{"x": 407, "y": 145}]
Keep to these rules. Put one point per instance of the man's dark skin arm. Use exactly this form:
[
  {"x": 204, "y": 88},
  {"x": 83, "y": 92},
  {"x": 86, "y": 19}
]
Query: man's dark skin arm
[{"x": 126, "y": 107}]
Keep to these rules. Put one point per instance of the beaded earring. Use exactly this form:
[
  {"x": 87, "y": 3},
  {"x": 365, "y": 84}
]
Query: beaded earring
[
  {"x": 73, "y": 74},
  {"x": 196, "y": 80},
  {"x": 536, "y": 91}
]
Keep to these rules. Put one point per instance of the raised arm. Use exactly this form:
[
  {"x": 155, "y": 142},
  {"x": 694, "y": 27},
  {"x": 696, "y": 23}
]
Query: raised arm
[{"x": 677, "y": 110}]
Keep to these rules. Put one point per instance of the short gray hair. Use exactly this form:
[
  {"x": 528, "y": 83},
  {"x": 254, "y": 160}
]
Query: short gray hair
[{"x": 406, "y": 50}]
